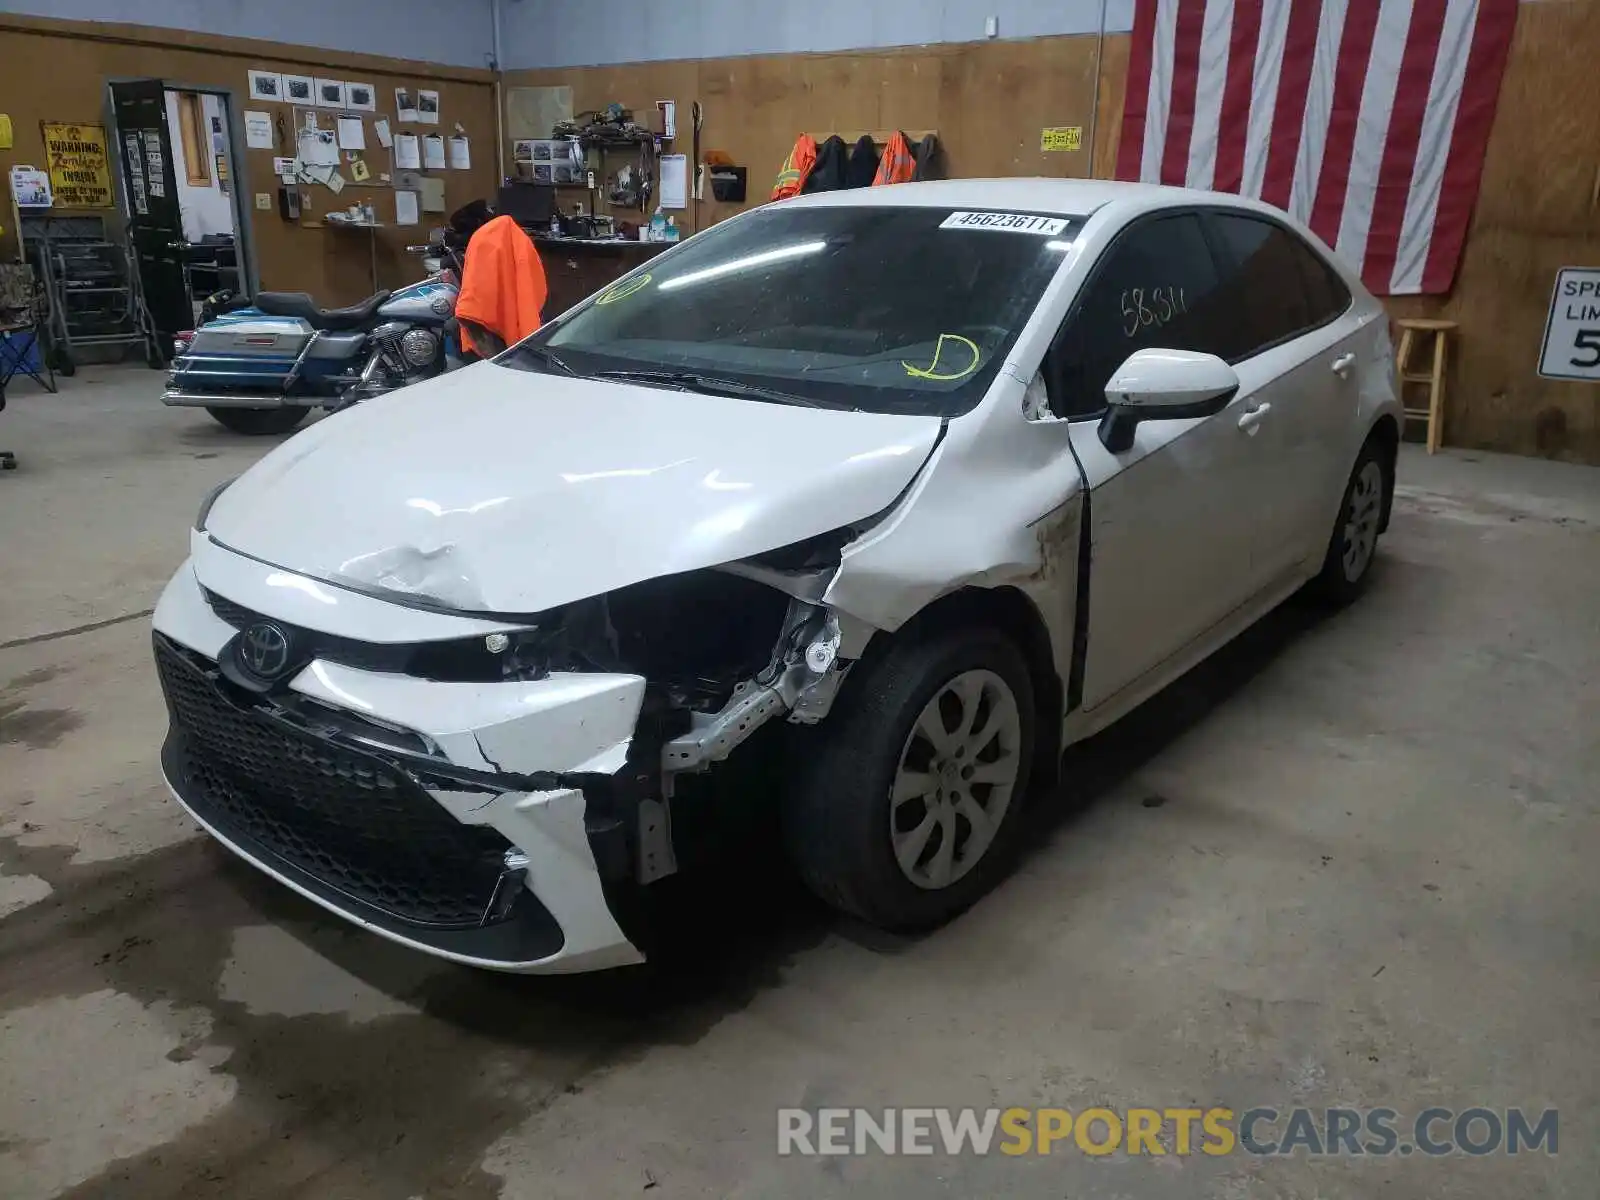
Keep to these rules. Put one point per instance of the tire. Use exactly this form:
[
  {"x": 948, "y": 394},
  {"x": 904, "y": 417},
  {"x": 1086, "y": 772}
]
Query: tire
[
  {"x": 841, "y": 823},
  {"x": 1353, "y": 544},
  {"x": 259, "y": 422}
]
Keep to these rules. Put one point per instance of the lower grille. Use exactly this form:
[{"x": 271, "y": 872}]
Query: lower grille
[{"x": 348, "y": 819}]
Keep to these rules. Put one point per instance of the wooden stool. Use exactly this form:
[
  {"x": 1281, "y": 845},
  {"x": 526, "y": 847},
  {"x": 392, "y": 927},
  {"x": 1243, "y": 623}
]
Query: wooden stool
[{"x": 1434, "y": 413}]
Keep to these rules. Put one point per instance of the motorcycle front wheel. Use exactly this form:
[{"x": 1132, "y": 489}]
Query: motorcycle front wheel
[{"x": 259, "y": 422}]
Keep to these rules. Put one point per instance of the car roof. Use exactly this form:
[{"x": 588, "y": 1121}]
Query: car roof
[{"x": 1064, "y": 197}]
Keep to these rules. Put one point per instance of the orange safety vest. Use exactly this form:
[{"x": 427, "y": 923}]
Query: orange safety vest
[
  {"x": 897, "y": 165},
  {"x": 796, "y": 168}
]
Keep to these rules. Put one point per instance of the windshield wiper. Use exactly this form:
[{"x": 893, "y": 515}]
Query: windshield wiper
[
  {"x": 711, "y": 385},
  {"x": 548, "y": 357}
]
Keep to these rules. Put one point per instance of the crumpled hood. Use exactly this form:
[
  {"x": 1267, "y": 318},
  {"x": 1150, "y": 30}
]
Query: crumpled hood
[{"x": 498, "y": 490}]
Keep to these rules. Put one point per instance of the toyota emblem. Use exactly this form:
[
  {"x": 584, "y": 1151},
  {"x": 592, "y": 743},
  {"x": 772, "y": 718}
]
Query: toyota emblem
[{"x": 264, "y": 649}]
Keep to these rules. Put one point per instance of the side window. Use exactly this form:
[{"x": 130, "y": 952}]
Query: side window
[
  {"x": 1155, "y": 286},
  {"x": 1325, "y": 291},
  {"x": 1275, "y": 283}
]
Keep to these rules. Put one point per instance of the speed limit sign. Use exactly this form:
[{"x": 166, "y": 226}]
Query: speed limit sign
[{"x": 1572, "y": 331}]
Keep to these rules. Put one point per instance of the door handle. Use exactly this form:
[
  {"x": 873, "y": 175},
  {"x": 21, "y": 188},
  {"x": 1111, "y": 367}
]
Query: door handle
[
  {"x": 1252, "y": 419},
  {"x": 1342, "y": 365}
]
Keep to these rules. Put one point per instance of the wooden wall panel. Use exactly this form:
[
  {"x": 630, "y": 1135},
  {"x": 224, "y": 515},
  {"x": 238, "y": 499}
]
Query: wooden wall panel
[
  {"x": 57, "y": 71},
  {"x": 1538, "y": 210},
  {"x": 988, "y": 101}
]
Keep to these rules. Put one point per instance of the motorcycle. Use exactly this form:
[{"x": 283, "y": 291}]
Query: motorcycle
[{"x": 260, "y": 368}]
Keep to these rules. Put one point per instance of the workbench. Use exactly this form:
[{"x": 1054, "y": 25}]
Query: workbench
[{"x": 575, "y": 268}]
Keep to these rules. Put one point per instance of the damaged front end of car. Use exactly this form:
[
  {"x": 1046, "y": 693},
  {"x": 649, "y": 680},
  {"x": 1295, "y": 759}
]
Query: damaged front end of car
[{"x": 506, "y": 796}]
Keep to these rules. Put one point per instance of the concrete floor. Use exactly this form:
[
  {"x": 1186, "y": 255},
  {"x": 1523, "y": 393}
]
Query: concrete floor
[{"x": 1370, "y": 880}]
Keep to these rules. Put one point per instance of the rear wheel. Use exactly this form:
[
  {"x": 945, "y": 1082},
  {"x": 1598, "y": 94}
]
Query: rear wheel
[
  {"x": 904, "y": 808},
  {"x": 1354, "y": 541},
  {"x": 259, "y": 421}
]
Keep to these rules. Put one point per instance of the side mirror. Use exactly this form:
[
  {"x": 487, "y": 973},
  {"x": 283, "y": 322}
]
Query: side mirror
[{"x": 1163, "y": 385}]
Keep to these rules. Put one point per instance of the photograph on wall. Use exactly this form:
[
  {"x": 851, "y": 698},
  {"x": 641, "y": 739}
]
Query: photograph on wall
[
  {"x": 266, "y": 85},
  {"x": 330, "y": 93},
  {"x": 405, "y": 105},
  {"x": 362, "y": 97},
  {"x": 428, "y": 107},
  {"x": 299, "y": 89}
]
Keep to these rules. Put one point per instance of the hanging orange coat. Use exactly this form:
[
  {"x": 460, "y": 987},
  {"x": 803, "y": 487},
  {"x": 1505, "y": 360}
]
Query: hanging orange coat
[
  {"x": 897, "y": 165},
  {"x": 503, "y": 286},
  {"x": 796, "y": 168}
]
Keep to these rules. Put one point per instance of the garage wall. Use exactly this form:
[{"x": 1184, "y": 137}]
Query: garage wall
[
  {"x": 1538, "y": 211},
  {"x": 987, "y": 101},
  {"x": 458, "y": 32},
  {"x": 58, "y": 70},
  {"x": 559, "y": 33}
]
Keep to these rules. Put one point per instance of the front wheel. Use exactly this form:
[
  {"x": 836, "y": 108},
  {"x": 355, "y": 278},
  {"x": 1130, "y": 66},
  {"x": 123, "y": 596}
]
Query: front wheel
[
  {"x": 903, "y": 808},
  {"x": 259, "y": 422},
  {"x": 1354, "y": 541}
]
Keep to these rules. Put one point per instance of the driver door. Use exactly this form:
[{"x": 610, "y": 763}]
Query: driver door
[{"x": 1174, "y": 519}]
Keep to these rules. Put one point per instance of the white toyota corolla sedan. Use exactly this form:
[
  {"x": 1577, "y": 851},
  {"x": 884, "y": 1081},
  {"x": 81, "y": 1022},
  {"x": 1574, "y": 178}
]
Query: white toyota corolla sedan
[{"x": 900, "y": 490}]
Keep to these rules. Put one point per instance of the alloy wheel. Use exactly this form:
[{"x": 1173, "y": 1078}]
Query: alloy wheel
[
  {"x": 1361, "y": 520},
  {"x": 955, "y": 779}
]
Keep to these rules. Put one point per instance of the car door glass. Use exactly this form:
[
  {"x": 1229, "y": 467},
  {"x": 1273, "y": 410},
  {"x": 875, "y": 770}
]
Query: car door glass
[
  {"x": 1266, "y": 285},
  {"x": 1326, "y": 295},
  {"x": 1156, "y": 286}
]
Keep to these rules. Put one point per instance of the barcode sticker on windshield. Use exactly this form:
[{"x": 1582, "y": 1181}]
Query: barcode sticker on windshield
[{"x": 1005, "y": 222}]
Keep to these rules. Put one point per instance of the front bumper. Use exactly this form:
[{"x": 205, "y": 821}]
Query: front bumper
[{"x": 436, "y": 814}]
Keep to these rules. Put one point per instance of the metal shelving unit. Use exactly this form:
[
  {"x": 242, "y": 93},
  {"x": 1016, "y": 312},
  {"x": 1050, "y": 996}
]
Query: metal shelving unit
[{"x": 91, "y": 284}]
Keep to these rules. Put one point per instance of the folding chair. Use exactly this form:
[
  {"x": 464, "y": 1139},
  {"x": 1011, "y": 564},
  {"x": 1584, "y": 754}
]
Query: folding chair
[{"x": 23, "y": 313}]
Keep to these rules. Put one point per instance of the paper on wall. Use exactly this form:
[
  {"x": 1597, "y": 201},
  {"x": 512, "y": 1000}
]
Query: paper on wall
[
  {"x": 284, "y": 166},
  {"x": 380, "y": 129},
  {"x": 674, "y": 181},
  {"x": 351, "y": 135},
  {"x": 432, "y": 192},
  {"x": 359, "y": 171},
  {"x": 258, "y": 130},
  {"x": 299, "y": 89},
  {"x": 362, "y": 96},
  {"x": 407, "y": 155},
  {"x": 318, "y": 148},
  {"x": 460, "y": 154},
  {"x": 428, "y": 107},
  {"x": 433, "y": 152},
  {"x": 405, "y": 105},
  {"x": 335, "y": 181},
  {"x": 331, "y": 93},
  {"x": 405, "y": 208}
]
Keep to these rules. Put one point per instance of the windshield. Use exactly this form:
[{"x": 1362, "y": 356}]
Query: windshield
[{"x": 883, "y": 309}]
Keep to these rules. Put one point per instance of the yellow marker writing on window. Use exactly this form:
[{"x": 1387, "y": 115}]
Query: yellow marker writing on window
[
  {"x": 625, "y": 289},
  {"x": 942, "y": 371}
]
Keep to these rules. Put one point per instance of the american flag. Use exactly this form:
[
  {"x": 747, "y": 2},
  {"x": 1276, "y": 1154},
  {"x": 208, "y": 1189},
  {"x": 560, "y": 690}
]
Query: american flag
[{"x": 1367, "y": 119}]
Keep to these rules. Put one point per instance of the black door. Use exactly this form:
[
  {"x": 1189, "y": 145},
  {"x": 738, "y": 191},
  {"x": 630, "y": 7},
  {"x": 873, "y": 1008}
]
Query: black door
[{"x": 155, "y": 222}]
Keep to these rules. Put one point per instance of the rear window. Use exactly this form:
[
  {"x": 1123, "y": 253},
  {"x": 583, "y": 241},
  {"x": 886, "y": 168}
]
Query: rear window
[{"x": 884, "y": 309}]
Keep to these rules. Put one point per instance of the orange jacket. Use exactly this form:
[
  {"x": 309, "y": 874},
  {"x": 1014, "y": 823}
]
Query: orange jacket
[
  {"x": 503, "y": 287},
  {"x": 796, "y": 168},
  {"x": 897, "y": 165}
]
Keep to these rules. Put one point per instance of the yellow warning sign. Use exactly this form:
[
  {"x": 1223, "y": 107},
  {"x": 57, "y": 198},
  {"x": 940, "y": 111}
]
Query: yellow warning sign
[
  {"x": 76, "y": 157},
  {"x": 1061, "y": 137}
]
